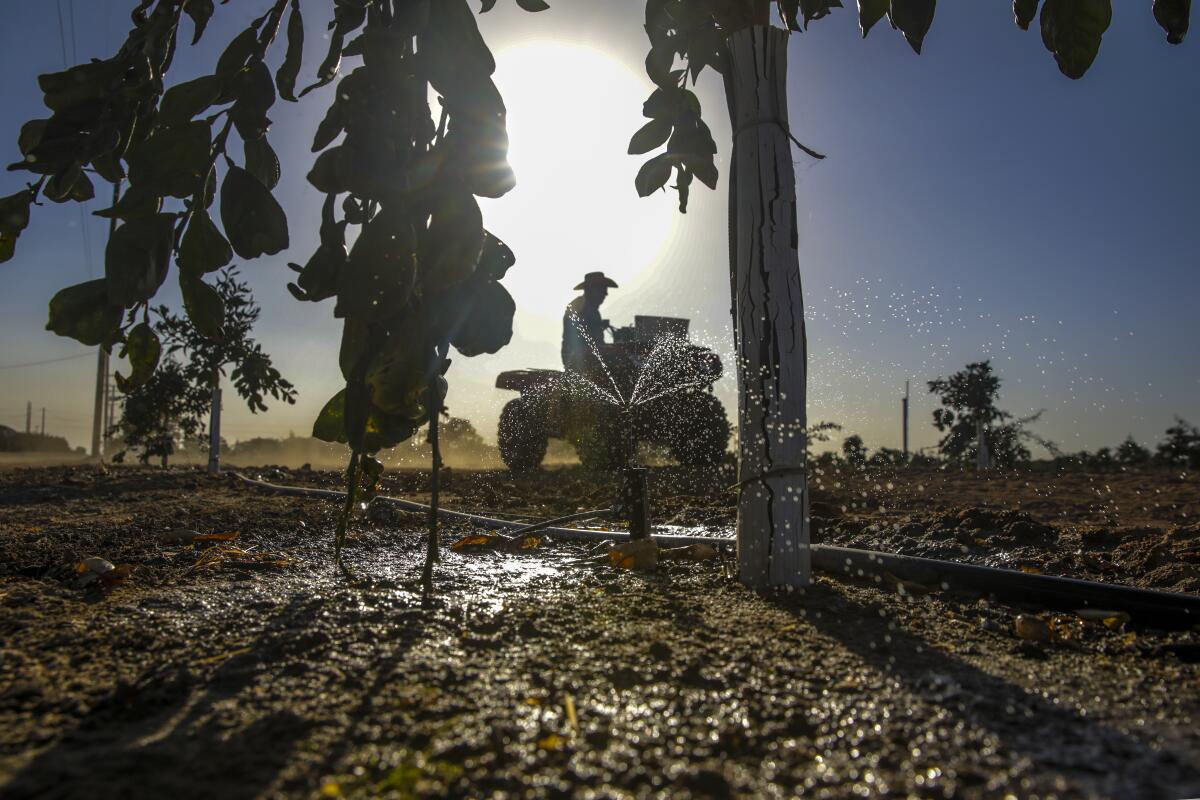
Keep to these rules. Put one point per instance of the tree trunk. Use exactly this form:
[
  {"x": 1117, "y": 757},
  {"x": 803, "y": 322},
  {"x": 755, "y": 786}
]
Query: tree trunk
[
  {"x": 768, "y": 316},
  {"x": 983, "y": 459},
  {"x": 214, "y": 427}
]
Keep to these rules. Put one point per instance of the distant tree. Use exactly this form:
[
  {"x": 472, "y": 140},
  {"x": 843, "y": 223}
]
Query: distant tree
[
  {"x": 210, "y": 351},
  {"x": 821, "y": 432},
  {"x": 161, "y": 412},
  {"x": 460, "y": 433},
  {"x": 1182, "y": 445},
  {"x": 969, "y": 405},
  {"x": 854, "y": 451},
  {"x": 1130, "y": 453},
  {"x": 888, "y": 457}
]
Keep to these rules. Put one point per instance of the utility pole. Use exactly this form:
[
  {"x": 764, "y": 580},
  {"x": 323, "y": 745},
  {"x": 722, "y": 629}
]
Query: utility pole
[
  {"x": 43, "y": 420},
  {"x": 101, "y": 400},
  {"x": 29, "y": 416},
  {"x": 904, "y": 415},
  {"x": 102, "y": 357}
]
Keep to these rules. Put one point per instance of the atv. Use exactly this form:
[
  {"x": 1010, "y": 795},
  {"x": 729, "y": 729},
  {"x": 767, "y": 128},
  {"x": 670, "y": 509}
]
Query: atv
[{"x": 650, "y": 385}]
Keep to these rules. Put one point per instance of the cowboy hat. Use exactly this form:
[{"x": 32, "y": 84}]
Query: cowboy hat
[{"x": 593, "y": 278}]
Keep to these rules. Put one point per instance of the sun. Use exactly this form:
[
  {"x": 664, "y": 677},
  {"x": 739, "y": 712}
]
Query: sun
[{"x": 571, "y": 111}]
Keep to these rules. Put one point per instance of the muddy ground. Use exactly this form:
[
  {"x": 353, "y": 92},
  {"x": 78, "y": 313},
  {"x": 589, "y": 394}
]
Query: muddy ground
[{"x": 250, "y": 669}]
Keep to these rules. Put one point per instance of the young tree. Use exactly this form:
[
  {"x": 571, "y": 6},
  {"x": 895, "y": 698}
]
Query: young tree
[
  {"x": 971, "y": 419},
  {"x": 854, "y": 451},
  {"x": 166, "y": 406},
  {"x": 1182, "y": 446},
  {"x": 1132, "y": 454},
  {"x": 161, "y": 413},
  {"x": 208, "y": 353}
]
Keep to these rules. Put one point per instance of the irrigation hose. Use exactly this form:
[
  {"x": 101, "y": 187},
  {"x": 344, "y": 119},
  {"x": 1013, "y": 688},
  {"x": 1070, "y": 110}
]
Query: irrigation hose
[{"x": 1147, "y": 607}]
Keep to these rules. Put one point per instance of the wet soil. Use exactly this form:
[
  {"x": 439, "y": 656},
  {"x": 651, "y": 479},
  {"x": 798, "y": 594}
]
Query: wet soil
[{"x": 264, "y": 673}]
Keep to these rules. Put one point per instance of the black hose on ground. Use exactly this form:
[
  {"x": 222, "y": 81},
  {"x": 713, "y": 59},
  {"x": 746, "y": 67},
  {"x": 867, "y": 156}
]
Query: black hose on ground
[{"x": 1146, "y": 607}]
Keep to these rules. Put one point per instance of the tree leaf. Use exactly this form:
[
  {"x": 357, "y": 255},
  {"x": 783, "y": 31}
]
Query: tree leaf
[
  {"x": 203, "y": 248},
  {"x": 143, "y": 349},
  {"x": 1072, "y": 29},
  {"x": 289, "y": 70},
  {"x": 451, "y": 245},
  {"x": 83, "y": 312},
  {"x": 816, "y": 9},
  {"x": 331, "y": 126},
  {"x": 486, "y": 325},
  {"x": 330, "y": 425},
  {"x": 1172, "y": 16},
  {"x": 870, "y": 12},
  {"x": 234, "y": 59},
  {"x": 320, "y": 276},
  {"x": 495, "y": 258},
  {"x": 71, "y": 184},
  {"x": 533, "y": 5},
  {"x": 14, "y": 217},
  {"x": 185, "y": 100},
  {"x": 255, "y": 96},
  {"x": 380, "y": 273},
  {"x": 650, "y": 136},
  {"x": 136, "y": 201},
  {"x": 253, "y": 220},
  {"x": 261, "y": 161},
  {"x": 913, "y": 18},
  {"x": 204, "y": 306},
  {"x": 200, "y": 11},
  {"x": 1023, "y": 12},
  {"x": 654, "y": 174},
  {"x": 173, "y": 160},
  {"x": 137, "y": 258}
]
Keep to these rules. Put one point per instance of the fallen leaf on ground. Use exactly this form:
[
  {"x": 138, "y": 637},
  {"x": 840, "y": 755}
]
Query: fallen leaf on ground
[
  {"x": 1032, "y": 570},
  {"x": 641, "y": 554},
  {"x": 1100, "y": 615},
  {"x": 218, "y": 537},
  {"x": 907, "y": 587},
  {"x": 1031, "y": 628},
  {"x": 217, "y": 557},
  {"x": 94, "y": 568},
  {"x": 526, "y": 542},
  {"x": 551, "y": 742},
  {"x": 475, "y": 541},
  {"x": 700, "y": 551},
  {"x": 179, "y": 536}
]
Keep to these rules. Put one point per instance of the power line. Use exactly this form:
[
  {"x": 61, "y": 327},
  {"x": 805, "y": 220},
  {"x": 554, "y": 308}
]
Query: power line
[
  {"x": 45, "y": 361},
  {"x": 84, "y": 228}
]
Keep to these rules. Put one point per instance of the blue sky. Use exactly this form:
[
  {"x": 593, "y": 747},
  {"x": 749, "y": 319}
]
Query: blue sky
[{"x": 974, "y": 203}]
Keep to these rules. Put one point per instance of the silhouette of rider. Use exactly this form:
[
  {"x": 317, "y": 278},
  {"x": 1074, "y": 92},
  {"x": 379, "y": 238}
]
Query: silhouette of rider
[{"x": 582, "y": 318}]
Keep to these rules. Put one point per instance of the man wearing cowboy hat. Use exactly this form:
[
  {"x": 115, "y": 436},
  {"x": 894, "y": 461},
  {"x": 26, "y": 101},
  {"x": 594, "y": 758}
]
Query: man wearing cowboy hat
[{"x": 582, "y": 321}]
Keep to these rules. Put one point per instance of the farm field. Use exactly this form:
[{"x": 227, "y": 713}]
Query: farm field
[{"x": 249, "y": 668}]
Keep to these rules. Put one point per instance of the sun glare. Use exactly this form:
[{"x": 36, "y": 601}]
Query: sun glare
[{"x": 571, "y": 111}]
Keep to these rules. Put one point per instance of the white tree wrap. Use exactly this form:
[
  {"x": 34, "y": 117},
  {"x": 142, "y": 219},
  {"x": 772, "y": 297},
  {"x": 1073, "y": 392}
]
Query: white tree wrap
[{"x": 768, "y": 316}]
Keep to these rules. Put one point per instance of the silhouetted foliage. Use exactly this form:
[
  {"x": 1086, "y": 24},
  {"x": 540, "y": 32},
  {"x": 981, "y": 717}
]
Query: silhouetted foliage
[
  {"x": 1181, "y": 447},
  {"x": 193, "y": 362},
  {"x": 854, "y": 451},
  {"x": 1132, "y": 454},
  {"x": 161, "y": 412},
  {"x": 968, "y": 398},
  {"x": 205, "y": 357}
]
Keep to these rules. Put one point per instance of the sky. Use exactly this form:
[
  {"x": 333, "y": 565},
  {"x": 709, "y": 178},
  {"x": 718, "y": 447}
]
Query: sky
[{"x": 974, "y": 204}]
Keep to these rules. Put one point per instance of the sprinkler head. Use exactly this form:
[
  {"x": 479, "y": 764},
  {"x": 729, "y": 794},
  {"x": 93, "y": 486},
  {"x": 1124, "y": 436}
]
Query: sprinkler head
[{"x": 633, "y": 504}]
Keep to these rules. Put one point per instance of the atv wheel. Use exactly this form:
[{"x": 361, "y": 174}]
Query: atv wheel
[
  {"x": 522, "y": 435},
  {"x": 698, "y": 431}
]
